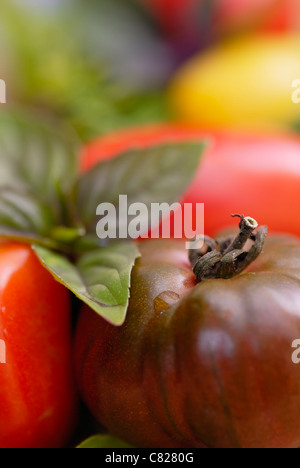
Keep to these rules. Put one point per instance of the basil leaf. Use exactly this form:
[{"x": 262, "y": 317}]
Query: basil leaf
[
  {"x": 103, "y": 441},
  {"x": 22, "y": 214},
  {"x": 36, "y": 157},
  {"x": 152, "y": 175},
  {"x": 100, "y": 277}
]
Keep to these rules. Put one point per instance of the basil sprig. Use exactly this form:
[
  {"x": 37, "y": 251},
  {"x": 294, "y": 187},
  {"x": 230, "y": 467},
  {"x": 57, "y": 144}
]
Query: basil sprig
[{"x": 45, "y": 201}]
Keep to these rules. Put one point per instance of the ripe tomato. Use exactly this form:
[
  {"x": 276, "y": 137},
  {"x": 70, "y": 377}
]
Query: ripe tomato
[
  {"x": 38, "y": 402},
  {"x": 231, "y": 16},
  {"x": 239, "y": 173},
  {"x": 197, "y": 365},
  {"x": 222, "y": 17},
  {"x": 283, "y": 16},
  {"x": 241, "y": 83},
  {"x": 171, "y": 14}
]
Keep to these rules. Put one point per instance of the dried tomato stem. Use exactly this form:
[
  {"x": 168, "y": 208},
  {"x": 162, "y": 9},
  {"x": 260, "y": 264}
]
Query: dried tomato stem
[
  {"x": 226, "y": 258},
  {"x": 247, "y": 226}
]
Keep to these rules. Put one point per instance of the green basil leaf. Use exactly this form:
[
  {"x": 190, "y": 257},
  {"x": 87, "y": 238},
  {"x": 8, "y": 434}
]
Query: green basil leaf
[
  {"x": 103, "y": 441},
  {"x": 100, "y": 277},
  {"x": 23, "y": 215},
  {"x": 36, "y": 157},
  {"x": 153, "y": 175}
]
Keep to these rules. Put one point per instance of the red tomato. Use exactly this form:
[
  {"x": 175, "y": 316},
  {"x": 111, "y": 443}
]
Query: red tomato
[
  {"x": 185, "y": 24},
  {"x": 284, "y": 16},
  {"x": 207, "y": 20},
  {"x": 171, "y": 13},
  {"x": 267, "y": 15},
  {"x": 257, "y": 175},
  {"x": 38, "y": 402}
]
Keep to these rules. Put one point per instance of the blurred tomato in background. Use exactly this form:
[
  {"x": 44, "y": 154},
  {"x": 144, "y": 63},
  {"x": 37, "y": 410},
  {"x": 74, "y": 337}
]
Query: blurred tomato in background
[
  {"x": 239, "y": 172},
  {"x": 232, "y": 16},
  {"x": 198, "y": 22}
]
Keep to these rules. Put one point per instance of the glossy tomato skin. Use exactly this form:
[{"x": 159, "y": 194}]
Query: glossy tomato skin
[
  {"x": 38, "y": 401},
  {"x": 198, "y": 365},
  {"x": 239, "y": 173}
]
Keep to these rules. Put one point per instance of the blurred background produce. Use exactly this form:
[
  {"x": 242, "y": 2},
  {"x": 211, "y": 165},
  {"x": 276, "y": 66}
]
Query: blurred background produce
[
  {"x": 245, "y": 82},
  {"x": 189, "y": 21},
  {"x": 97, "y": 66},
  {"x": 238, "y": 173},
  {"x": 106, "y": 64}
]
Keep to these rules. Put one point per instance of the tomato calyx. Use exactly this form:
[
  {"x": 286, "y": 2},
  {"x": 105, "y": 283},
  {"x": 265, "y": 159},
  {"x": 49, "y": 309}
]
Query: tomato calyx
[{"x": 227, "y": 257}]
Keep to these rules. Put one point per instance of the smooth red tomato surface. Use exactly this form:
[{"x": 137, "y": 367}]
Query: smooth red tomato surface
[
  {"x": 257, "y": 175},
  {"x": 38, "y": 402}
]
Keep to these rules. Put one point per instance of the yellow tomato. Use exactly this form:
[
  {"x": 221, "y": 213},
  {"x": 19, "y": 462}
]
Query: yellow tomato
[{"x": 244, "y": 83}]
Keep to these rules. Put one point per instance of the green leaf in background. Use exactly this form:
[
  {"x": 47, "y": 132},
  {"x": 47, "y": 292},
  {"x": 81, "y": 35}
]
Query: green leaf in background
[
  {"x": 35, "y": 155},
  {"x": 38, "y": 170},
  {"x": 103, "y": 441},
  {"x": 23, "y": 215},
  {"x": 100, "y": 277},
  {"x": 69, "y": 62},
  {"x": 152, "y": 175}
]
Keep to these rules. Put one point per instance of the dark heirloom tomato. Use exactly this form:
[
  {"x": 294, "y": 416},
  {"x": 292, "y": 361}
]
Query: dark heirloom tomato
[{"x": 196, "y": 365}]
